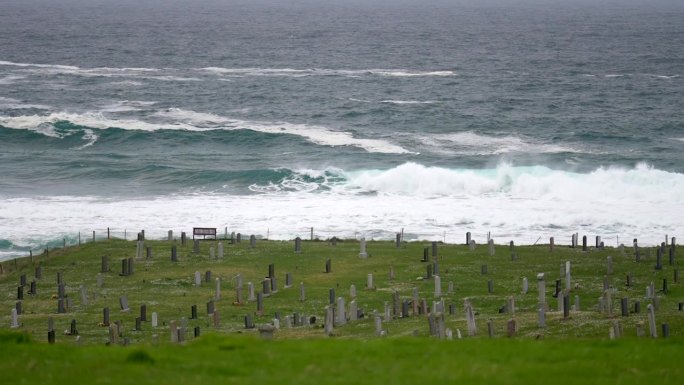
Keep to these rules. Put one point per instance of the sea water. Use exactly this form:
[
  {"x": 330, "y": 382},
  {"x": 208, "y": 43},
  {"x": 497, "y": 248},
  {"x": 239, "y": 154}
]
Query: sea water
[{"x": 518, "y": 119}]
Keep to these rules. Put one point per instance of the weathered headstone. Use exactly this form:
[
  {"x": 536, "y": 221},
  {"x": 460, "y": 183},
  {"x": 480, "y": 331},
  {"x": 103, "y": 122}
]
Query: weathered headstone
[
  {"x": 193, "y": 312},
  {"x": 84, "y": 295},
  {"x": 328, "y": 265},
  {"x": 217, "y": 294},
  {"x": 651, "y": 321},
  {"x": 174, "y": 253},
  {"x": 468, "y": 238},
  {"x": 491, "y": 247},
  {"x": 198, "y": 279},
  {"x": 353, "y": 311},
  {"x": 155, "y": 319},
  {"x": 352, "y": 291},
  {"x": 609, "y": 265},
  {"x": 541, "y": 286},
  {"x": 525, "y": 285},
  {"x": 341, "y": 312},
  {"x": 251, "y": 296},
  {"x": 369, "y": 281},
  {"x": 438, "y": 286},
  {"x": 551, "y": 244},
  {"x": 470, "y": 318},
  {"x": 123, "y": 303},
  {"x": 220, "y": 250},
  {"x": 15, "y": 319},
  {"x": 302, "y": 292},
  {"x": 105, "y": 316},
  {"x": 298, "y": 245},
  {"x": 362, "y": 248},
  {"x": 252, "y": 241},
  {"x": 329, "y": 321}
]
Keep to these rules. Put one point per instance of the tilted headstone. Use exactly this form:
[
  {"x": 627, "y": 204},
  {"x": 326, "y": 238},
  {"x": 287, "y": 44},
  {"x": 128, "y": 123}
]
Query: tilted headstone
[
  {"x": 123, "y": 303},
  {"x": 470, "y": 317}
]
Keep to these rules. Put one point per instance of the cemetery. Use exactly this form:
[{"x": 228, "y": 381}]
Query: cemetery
[{"x": 235, "y": 308}]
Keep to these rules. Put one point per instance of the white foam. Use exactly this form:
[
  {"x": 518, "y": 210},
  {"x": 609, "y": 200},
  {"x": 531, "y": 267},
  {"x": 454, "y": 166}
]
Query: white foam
[
  {"x": 409, "y": 101},
  {"x": 14, "y": 104},
  {"x": 10, "y": 79},
  {"x": 514, "y": 203},
  {"x": 241, "y": 72},
  {"x": 179, "y": 119},
  {"x": 470, "y": 143},
  {"x": 56, "y": 66}
]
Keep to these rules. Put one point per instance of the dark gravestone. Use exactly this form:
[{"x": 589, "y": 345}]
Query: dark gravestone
[
  {"x": 252, "y": 241},
  {"x": 434, "y": 249},
  {"x": 149, "y": 252},
  {"x": 105, "y": 316},
  {"x": 637, "y": 307},
  {"x": 274, "y": 285},
  {"x": 672, "y": 256},
  {"x": 566, "y": 306},
  {"x": 328, "y": 267},
  {"x": 39, "y": 272},
  {"x": 249, "y": 323},
  {"x": 105, "y": 264},
  {"x": 130, "y": 266},
  {"x": 124, "y": 267},
  {"x": 426, "y": 253},
  {"x": 183, "y": 238},
  {"x": 61, "y": 307},
  {"x": 266, "y": 287},
  {"x": 61, "y": 291},
  {"x": 238, "y": 238},
  {"x": 143, "y": 313},
  {"x": 435, "y": 268},
  {"x": 207, "y": 276},
  {"x": 584, "y": 243},
  {"x": 33, "y": 290},
  {"x": 72, "y": 328},
  {"x": 467, "y": 238},
  {"x": 51, "y": 337},
  {"x": 398, "y": 240},
  {"x": 429, "y": 272},
  {"x": 659, "y": 259},
  {"x": 196, "y": 331},
  {"x": 298, "y": 245},
  {"x": 665, "y": 291},
  {"x": 20, "y": 293},
  {"x": 18, "y": 307},
  {"x": 666, "y": 330},
  {"x": 22, "y": 280},
  {"x": 331, "y": 295},
  {"x": 624, "y": 307},
  {"x": 210, "y": 307},
  {"x": 174, "y": 254},
  {"x": 196, "y": 246},
  {"x": 490, "y": 286},
  {"x": 138, "y": 324},
  {"x": 193, "y": 312},
  {"x": 271, "y": 270}
]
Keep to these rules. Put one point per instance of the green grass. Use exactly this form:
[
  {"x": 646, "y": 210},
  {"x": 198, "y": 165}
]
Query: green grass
[{"x": 574, "y": 350}]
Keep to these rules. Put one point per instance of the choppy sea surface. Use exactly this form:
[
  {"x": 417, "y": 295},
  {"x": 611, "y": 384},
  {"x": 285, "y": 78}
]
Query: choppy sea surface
[{"x": 523, "y": 119}]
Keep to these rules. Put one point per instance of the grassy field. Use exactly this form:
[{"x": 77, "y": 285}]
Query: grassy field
[{"x": 576, "y": 349}]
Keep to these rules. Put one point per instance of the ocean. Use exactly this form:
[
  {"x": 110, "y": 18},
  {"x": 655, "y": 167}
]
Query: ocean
[{"x": 518, "y": 119}]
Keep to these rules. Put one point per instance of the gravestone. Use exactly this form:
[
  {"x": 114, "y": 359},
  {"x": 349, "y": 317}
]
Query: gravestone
[
  {"x": 20, "y": 293},
  {"x": 174, "y": 254},
  {"x": 100, "y": 280},
  {"x": 155, "y": 319},
  {"x": 252, "y": 241},
  {"x": 195, "y": 246},
  {"x": 266, "y": 287},
  {"x": 468, "y": 238},
  {"x": 362, "y": 248},
  {"x": 377, "y": 321},
  {"x": 173, "y": 331},
  {"x": 426, "y": 255},
  {"x": 298, "y": 245},
  {"x": 328, "y": 267},
  {"x": 541, "y": 287},
  {"x": 33, "y": 289},
  {"x": 169, "y": 236},
  {"x": 369, "y": 281},
  {"x": 398, "y": 240},
  {"x": 61, "y": 306},
  {"x": 38, "y": 273},
  {"x": 331, "y": 296},
  {"x": 15, "y": 319},
  {"x": 210, "y": 307},
  {"x": 525, "y": 285},
  {"x": 288, "y": 280},
  {"x": 211, "y": 252},
  {"x": 193, "y": 312},
  {"x": 566, "y": 305},
  {"x": 472, "y": 245},
  {"x": 353, "y": 311},
  {"x": 651, "y": 321},
  {"x": 184, "y": 238},
  {"x": 143, "y": 313},
  {"x": 491, "y": 247},
  {"x": 391, "y": 273},
  {"x": 105, "y": 316},
  {"x": 123, "y": 303},
  {"x": 260, "y": 304},
  {"x": 568, "y": 276},
  {"x": 510, "y": 305},
  {"x": 329, "y": 321},
  {"x": 352, "y": 291},
  {"x": 341, "y": 312},
  {"x": 251, "y": 297},
  {"x": 551, "y": 244},
  {"x": 198, "y": 279},
  {"x": 207, "y": 276},
  {"x": 217, "y": 294},
  {"x": 511, "y": 328},
  {"x": 483, "y": 270},
  {"x": 542, "y": 316},
  {"x": 434, "y": 249},
  {"x": 438, "y": 286},
  {"x": 220, "y": 250},
  {"x": 624, "y": 307},
  {"x": 470, "y": 318}
]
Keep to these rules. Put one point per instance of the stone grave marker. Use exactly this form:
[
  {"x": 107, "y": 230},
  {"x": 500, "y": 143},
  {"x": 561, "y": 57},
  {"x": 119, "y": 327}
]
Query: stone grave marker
[
  {"x": 362, "y": 248},
  {"x": 298, "y": 245},
  {"x": 123, "y": 303},
  {"x": 14, "y": 323},
  {"x": 369, "y": 281}
]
